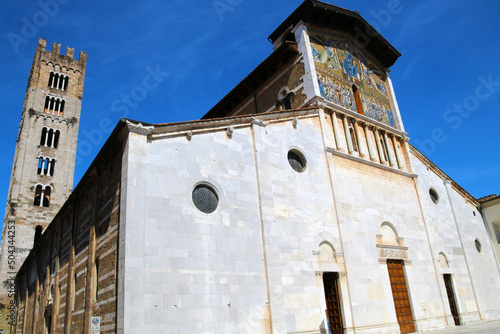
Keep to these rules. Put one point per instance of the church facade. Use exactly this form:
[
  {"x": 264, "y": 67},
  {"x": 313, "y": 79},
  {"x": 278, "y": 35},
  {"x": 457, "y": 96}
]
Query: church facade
[{"x": 295, "y": 205}]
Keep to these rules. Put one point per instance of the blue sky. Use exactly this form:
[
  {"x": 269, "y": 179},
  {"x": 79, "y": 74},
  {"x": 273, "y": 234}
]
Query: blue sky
[{"x": 447, "y": 81}]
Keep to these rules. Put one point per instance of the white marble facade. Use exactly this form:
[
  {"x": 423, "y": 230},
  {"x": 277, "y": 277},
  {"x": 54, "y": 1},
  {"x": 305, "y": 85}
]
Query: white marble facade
[{"x": 255, "y": 265}]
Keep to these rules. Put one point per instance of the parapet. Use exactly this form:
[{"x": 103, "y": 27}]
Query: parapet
[{"x": 56, "y": 50}]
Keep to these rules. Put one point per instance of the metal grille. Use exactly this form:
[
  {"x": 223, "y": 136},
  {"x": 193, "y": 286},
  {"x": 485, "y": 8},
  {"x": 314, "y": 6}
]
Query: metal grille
[
  {"x": 205, "y": 198},
  {"x": 296, "y": 161}
]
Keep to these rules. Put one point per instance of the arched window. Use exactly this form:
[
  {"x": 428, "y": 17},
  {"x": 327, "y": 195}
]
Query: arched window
[
  {"x": 43, "y": 138},
  {"x": 46, "y": 197},
  {"x": 38, "y": 233},
  {"x": 55, "y": 143},
  {"x": 52, "y": 166},
  {"x": 38, "y": 195},
  {"x": 42, "y": 196},
  {"x": 58, "y": 81},
  {"x": 95, "y": 278},
  {"x": 357, "y": 97},
  {"x": 46, "y": 166},
  {"x": 54, "y": 105},
  {"x": 40, "y": 165},
  {"x": 50, "y": 137}
]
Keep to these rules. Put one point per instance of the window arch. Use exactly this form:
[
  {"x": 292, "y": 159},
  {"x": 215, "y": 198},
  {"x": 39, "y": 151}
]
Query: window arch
[
  {"x": 326, "y": 253},
  {"x": 443, "y": 260},
  {"x": 388, "y": 234}
]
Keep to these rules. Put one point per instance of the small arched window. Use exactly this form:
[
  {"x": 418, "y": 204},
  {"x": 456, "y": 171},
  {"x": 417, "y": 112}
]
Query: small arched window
[
  {"x": 43, "y": 138},
  {"x": 38, "y": 233},
  {"x": 58, "y": 81},
  {"x": 38, "y": 195},
  {"x": 50, "y": 137},
  {"x": 46, "y": 197}
]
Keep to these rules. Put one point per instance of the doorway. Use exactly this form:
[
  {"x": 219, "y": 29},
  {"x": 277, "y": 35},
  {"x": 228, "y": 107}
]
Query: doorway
[
  {"x": 333, "y": 309},
  {"x": 400, "y": 295},
  {"x": 451, "y": 298}
]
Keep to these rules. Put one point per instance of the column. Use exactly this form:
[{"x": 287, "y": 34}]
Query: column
[
  {"x": 369, "y": 143},
  {"x": 389, "y": 153},
  {"x": 42, "y": 196},
  {"x": 381, "y": 153},
  {"x": 361, "y": 150},
  {"x": 398, "y": 155},
  {"x": 350, "y": 148},
  {"x": 336, "y": 131}
]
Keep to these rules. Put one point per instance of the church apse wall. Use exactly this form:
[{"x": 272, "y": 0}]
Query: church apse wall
[{"x": 349, "y": 77}]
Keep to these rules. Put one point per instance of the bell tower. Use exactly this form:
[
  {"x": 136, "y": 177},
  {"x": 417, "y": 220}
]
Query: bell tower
[{"x": 44, "y": 160}]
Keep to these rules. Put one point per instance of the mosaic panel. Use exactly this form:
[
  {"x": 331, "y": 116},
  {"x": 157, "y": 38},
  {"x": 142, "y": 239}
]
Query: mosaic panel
[{"x": 340, "y": 65}]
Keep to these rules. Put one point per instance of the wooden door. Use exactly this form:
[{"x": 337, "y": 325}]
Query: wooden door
[
  {"x": 332, "y": 295},
  {"x": 400, "y": 295},
  {"x": 451, "y": 298}
]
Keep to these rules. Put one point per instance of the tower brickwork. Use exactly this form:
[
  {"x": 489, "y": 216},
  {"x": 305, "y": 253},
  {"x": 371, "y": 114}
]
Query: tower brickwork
[{"x": 44, "y": 160}]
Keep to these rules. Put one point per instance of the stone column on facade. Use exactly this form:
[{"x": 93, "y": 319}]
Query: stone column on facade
[
  {"x": 381, "y": 155},
  {"x": 336, "y": 131},
  {"x": 368, "y": 142},
  {"x": 395, "y": 141},
  {"x": 361, "y": 150},
  {"x": 348, "y": 139},
  {"x": 389, "y": 153}
]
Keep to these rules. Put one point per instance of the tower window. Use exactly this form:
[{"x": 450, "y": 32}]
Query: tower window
[
  {"x": 58, "y": 81},
  {"x": 42, "y": 196},
  {"x": 46, "y": 166},
  {"x": 54, "y": 105},
  {"x": 50, "y": 137}
]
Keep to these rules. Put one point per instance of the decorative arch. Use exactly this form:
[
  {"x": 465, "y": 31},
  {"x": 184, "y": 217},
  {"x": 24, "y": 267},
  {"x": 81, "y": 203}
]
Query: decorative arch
[
  {"x": 390, "y": 245},
  {"x": 326, "y": 253},
  {"x": 388, "y": 235},
  {"x": 443, "y": 260}
]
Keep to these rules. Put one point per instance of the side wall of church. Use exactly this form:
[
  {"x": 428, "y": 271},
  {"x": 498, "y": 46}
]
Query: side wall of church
[
  {"x": 457, "y": 232},
  {"x": 183, "y": 269},
  {"x": 71, "y": 274}
]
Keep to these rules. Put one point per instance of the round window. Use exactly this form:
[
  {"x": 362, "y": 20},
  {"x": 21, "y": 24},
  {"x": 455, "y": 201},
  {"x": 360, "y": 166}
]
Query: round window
[
  {"x": 296, "y": 161},
  {"x": 205, "y": 198},
  {"x": 478, "y": 245},
  {"x": 434, "y": 195}
]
